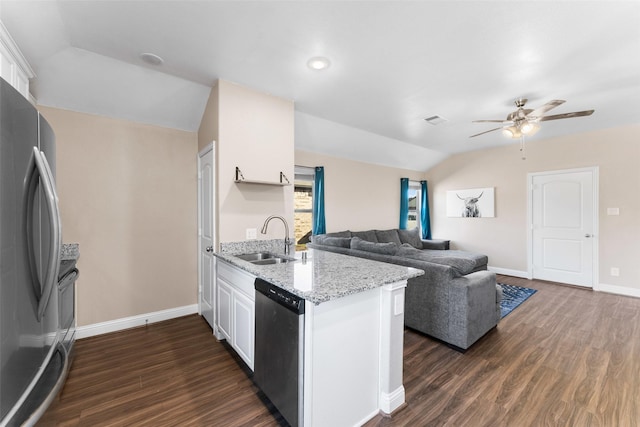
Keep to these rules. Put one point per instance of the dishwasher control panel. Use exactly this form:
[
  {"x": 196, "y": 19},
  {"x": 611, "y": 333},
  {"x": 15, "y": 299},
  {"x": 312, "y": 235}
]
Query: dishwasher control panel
[{"x": 281, "y": 296}]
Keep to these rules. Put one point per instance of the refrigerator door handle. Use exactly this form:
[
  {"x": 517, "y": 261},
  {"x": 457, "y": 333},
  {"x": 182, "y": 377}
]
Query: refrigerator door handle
[
  {"x": 30, "y": 187},
  {"x": 38, "y": 165},
  {"x": 53, "y": 267}
]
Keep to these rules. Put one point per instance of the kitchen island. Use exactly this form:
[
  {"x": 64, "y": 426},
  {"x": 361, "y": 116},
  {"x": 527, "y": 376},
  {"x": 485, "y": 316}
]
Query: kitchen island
[{"x": 353, "y": 329}]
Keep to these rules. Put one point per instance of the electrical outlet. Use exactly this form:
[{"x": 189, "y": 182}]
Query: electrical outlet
[
  {"x": 615, "y": 271},
  {"x": 252, "y": 233},
  {"x": 613, "y": 211}
]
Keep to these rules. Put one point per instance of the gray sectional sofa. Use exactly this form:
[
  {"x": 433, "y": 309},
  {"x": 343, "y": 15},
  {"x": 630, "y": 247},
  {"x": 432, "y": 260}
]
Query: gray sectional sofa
[{"x": 456, "y": 301}]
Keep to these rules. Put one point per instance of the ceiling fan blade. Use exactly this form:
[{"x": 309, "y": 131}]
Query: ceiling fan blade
[
  {"x": 567, "y": 115},
  {"x": 487, "y": 131},
  {"x": 487, "y": 121},
  {"x": 546, "y": 107}
]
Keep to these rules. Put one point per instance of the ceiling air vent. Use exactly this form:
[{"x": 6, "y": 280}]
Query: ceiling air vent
[{"x": 435, "y": 120}]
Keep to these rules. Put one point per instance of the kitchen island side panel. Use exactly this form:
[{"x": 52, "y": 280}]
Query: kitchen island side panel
[{"x": 342, "y": 360}]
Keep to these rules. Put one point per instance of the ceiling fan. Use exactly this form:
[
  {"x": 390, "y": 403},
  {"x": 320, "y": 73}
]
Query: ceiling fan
[{"x": 525, "y": 121}]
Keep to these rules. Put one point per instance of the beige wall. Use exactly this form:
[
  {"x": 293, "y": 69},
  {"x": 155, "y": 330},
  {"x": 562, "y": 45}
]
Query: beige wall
[
  {"x": 255, "y": 133},
  {"x": 504, "y": 238},
  {"x": 358, "y": 196},
  {"x": 128, "y": 197}
]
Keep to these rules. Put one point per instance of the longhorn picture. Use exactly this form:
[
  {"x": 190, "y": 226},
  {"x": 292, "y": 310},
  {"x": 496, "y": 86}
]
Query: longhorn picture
[
  {"x": 471, "y": 209},
  {"x": 476, "y": 202}
]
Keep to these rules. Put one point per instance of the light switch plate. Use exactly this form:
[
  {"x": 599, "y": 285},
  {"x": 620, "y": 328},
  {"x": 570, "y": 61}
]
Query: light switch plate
[
  {"x": 252, "y": 233},
  {"x": 613, "y": 211}
]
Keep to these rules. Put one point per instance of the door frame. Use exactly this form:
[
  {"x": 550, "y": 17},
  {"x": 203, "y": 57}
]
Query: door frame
[
  {"x": 201, "y": 153},
  {"x": 595, "y": 172}
]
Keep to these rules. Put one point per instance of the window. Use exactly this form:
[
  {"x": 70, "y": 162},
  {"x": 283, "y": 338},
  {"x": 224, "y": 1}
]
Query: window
[
  {"x": 303, "y": 205},
  {"x": 414, "y": 205}
]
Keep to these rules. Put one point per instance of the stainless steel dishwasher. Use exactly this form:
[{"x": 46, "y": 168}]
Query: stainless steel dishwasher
[{"x": 279, "y": 349}]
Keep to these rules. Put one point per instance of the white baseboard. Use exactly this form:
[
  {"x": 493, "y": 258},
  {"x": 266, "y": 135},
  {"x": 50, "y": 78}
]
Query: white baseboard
[
  {"x": 389, "y": 402},
  {"x": 601, "y": 287},
  {"x": 133, "y": 321},
  {"x": 620, "y": 290},
  {"x": 509, "y": 272}
]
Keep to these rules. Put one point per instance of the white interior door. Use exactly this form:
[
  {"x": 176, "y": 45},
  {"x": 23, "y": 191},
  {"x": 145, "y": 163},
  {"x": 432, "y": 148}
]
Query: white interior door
[
  {"x": 206, "y": 233},
  {"x": 564, "y": 224}
]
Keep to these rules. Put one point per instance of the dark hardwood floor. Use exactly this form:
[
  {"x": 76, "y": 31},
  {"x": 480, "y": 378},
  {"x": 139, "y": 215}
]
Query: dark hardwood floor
[{"x": 566, "y": 357}]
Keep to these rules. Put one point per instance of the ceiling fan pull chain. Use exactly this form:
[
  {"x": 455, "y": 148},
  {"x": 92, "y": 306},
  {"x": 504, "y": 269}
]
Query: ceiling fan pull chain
[{"x": 522, "y": 148}]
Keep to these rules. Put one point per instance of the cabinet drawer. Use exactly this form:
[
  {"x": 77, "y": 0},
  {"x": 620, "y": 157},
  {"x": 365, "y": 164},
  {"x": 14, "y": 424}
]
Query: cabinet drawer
[{"x": 240, "y": 280}]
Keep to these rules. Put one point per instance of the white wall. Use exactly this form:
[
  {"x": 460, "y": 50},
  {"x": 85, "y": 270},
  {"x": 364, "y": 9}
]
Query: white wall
[{"x": 503, "y": 238}]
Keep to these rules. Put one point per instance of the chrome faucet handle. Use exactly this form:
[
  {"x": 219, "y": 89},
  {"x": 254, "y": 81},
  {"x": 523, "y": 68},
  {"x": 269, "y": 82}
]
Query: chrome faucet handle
[{"x": 287, "y": 246}]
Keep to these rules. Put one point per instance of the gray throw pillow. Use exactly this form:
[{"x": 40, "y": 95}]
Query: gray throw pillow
[
  {"x": 346, "y": 233},
  {"x": 411, "y": 237},
  {"x": 379, "y": 248},
  {"x": 407, "y": 251},
  {"x": 342, "y": 242},
  {"x": 369, "y": 235},
  {"x": 318, "y": 238},
  {"x": 386, "y": 236}
]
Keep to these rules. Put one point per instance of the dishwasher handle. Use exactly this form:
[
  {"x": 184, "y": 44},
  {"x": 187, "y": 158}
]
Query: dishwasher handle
[{"x": 277, "y": 294}]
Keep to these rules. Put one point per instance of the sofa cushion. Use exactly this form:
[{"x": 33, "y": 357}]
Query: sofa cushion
[
  {"x": 388, "y": 248},
  {"x": 345, "y": 233},
  {"x": 458, "y": 261},
  {"x": 386, "y": 236},
  {"x": 411, "y": 237},
  {"x": 479, "y": 259},
  {"x": 341, "y": 242},
  {"x": 369, "y": 235},
  {"x": 320, "y": 238}
]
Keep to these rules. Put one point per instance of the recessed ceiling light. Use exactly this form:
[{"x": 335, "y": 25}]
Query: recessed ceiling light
[
  {"x": 151, "y": 59},
  {"x": 318, "y": 63}
]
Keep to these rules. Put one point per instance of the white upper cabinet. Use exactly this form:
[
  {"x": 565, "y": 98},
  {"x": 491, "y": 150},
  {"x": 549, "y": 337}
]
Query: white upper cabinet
[{"x": 13, "y": 67}]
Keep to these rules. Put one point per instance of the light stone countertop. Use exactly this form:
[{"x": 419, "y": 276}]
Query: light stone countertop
[
  {"x": 325, "y": 276},
  {"x": 70, "y": 251}
]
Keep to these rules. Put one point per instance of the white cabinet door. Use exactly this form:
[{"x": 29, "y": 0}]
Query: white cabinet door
[
  {"x": 225, "y": 295},
  {"x": 243, "y": 327},
  {"x": 236, "y": 309}
]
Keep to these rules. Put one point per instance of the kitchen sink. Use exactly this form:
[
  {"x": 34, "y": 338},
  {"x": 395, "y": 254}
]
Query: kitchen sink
[
  {"x": 258, "y": 256},
  {"x": 275, "y": 260},
  {"x": 265, "y": 258}
]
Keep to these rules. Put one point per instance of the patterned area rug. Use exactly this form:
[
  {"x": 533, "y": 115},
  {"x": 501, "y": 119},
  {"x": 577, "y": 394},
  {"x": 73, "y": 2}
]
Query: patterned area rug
[{"x": 512, "y": 297}]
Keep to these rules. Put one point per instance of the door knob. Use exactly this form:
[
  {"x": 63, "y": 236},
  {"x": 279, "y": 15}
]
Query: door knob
[
  {"x": 209, "y": 249},
  {"x": 588, "y": 235}
]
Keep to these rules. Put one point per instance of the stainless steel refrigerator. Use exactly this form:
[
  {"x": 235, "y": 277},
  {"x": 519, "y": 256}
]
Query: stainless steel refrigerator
[{"x": 33, "y": 363}]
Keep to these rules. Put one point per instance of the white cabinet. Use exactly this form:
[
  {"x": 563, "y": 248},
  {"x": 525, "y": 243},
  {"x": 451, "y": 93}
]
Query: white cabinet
[
  {"x": 225, "y": 293},
  {"x": 236, "y": 309},
  {"x": 243, "y": 326},
  {"x": 13, "y": 67}
]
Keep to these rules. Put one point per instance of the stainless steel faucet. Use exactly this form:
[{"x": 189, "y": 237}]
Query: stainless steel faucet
[{"x": 287, "y": 240}]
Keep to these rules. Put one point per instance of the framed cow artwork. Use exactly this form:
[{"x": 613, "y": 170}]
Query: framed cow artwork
[{"x": 471, "y": 203}]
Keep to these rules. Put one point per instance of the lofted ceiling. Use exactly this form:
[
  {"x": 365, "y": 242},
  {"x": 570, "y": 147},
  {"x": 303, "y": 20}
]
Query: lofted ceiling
[{"x": 393, "y": 63}]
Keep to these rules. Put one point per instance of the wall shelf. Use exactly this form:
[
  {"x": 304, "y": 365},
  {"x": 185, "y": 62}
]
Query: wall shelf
[{"x": 240, "y": 179}]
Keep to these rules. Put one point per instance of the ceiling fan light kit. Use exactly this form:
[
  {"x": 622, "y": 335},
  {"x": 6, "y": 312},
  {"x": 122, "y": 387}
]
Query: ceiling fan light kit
[{"x": 527, "y": 122}]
